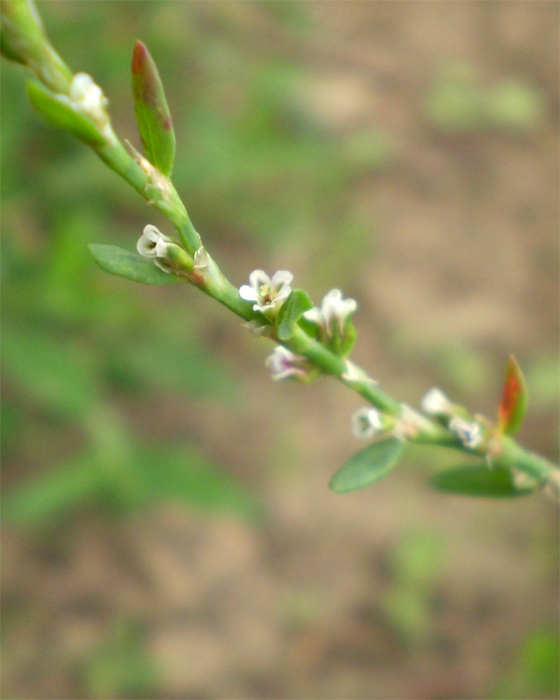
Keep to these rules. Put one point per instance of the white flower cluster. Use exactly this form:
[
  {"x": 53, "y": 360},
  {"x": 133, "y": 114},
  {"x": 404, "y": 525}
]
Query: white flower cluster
[
  {"x": 333, "y": 313},
  {"x": 154, "y": 245},
  {"x": 285, "y": 364},
  {"x": 268, "y": 294},
  {"x": 89, "y": 99},
  {"x": 368, "y": 422},
  {"x": 168, "y": 255},
  {"x": 468, "y": 432},
  {"x": 436, "y": 403}
]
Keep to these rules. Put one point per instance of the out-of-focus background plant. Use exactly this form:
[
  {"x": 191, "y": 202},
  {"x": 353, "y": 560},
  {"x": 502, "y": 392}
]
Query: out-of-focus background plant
[{"x": 168, "y": 530}]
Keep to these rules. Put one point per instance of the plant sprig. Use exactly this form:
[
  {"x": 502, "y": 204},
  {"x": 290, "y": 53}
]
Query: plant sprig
[{"x": 310, "y": 340}]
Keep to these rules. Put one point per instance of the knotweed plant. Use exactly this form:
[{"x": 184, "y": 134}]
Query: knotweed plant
[{"x": 310, "y": 340}]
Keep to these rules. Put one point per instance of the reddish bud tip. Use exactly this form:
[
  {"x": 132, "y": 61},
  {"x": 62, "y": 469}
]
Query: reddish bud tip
[{"x": 513, "y": 404}]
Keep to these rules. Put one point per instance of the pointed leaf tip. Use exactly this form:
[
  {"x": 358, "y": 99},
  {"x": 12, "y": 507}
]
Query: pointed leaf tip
[
  {"x": 367, "y": 466},
  {"x": 513, "y": 404},
  {"x": 152, "y": 113}
]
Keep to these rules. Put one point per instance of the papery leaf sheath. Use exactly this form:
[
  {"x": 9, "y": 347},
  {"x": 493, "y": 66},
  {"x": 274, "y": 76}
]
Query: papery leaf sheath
[
  {"x": 513, "y": 404},
  {"x": 152, "y": 113}
]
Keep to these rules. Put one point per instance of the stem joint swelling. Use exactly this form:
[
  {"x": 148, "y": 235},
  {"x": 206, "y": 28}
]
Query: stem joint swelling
[{"x": 311, "y": 340}]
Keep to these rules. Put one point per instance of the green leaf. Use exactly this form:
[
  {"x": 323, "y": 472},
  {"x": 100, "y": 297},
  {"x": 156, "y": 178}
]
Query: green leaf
[
  {"x": 131, "y": 266},
  {"x": 368, "y": 466},
  {"x": 152, "y": 113},
  {"x": 513, "y": 405},
  {"x": 290, "y": 312},
  {"x": 58, "y": 111},
  {"x": 478, "y": 480}
]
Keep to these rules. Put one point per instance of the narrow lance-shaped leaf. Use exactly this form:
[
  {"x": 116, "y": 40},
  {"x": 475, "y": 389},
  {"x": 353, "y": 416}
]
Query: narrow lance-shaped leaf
[
  {"x": 479, "y": 480},
  {"x": 133, "y": 267},
  {"x": 513, "y": 405},
  {"x": 290, "y": 313},
  {"x": 368, "y": 466},
  {"x": 152, "y": 113}
]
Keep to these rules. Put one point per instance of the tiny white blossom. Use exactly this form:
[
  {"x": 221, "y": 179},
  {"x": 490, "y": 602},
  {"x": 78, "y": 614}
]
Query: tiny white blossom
[
  {"x": 268, "y": 294},
  {"x": 436, "y": 403},
  {"x": 90, "y": 100},
  {"x": 152, "y": 243},
  {"x": 283, "y": 364},
  {"x": 334, "y": 310},
  {"x": 367, "y": 422},
  {"x": 469, "y": 433}
]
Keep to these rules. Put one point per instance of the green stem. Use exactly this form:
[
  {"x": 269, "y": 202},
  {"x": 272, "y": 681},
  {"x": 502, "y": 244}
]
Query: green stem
[
  {"x": 24, "y": 40},
  {"x": 162, "y": 195},
  {"x": 513, "y": 455}
]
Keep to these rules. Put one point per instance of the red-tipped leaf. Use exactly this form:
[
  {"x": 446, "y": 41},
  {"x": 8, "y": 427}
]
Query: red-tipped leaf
[
  {"x": 513, "y": 405},
  {"x": 152, "y": 113}
]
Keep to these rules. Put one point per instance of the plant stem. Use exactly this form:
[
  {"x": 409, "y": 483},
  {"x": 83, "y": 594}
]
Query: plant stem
[{"x": 24, "y": 41}]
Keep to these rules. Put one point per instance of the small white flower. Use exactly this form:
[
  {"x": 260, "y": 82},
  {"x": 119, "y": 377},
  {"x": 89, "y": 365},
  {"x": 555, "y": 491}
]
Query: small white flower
[
  {"x": 152, "y": 243},
  {"x": 334, "y": 310},
  {"x": 469, "y": 433},
  {"x": 367, "y": 422},
  {"x": 89, "y": 99},
  {"x": 268, "y": 294},
  {"x": 436, "y": 403},
  {"x": 283, "y": 364}
]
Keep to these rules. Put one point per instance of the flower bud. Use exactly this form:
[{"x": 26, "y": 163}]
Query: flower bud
[{"x": 468, "y": 432}]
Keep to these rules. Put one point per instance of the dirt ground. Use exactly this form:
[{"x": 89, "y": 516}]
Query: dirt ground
[{"x": 300, "y": 607}]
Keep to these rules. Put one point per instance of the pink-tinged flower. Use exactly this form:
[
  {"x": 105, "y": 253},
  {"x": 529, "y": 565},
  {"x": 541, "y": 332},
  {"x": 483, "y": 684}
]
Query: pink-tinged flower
[
  {"x": 284, "y": 364},
  {"x": 268, "y": 294},
  {"x": 333, "y": 313},
  {"x": 469, "y": 433}
]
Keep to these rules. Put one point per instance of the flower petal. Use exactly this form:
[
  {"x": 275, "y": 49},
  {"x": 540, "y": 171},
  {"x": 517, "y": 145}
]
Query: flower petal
[
  {"x": 279, "y": 279},
  {"x": 147, "y": 242},
  {"x": 247, "y": 293},
  {"x": 257, "y": 279},
  {"x": 314, "y": 315}
]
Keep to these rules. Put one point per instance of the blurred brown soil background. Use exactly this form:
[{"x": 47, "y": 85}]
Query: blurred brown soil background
[{"x": 316, "y": 602}]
